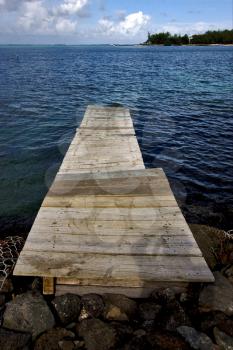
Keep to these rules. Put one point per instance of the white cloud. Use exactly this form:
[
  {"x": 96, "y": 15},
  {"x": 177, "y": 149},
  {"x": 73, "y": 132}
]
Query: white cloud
[
  {"x": 129, "y": 25},
  {"x": 37, "y": 18},
  {"x": 189, "y": 28},
  {"x": 72, "y": 7},
  {"x": 13, "y": 5},
  {"x": 64, "y": 25},
  {"x": 133, "y": 23}
]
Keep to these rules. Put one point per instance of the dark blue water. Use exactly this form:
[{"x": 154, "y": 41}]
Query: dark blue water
[{"x": 181, "y": 103}]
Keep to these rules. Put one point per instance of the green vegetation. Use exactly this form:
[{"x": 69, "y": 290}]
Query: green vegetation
[
  {"x": 213, "y": 37},
  {"x": 210, "y": 37}
]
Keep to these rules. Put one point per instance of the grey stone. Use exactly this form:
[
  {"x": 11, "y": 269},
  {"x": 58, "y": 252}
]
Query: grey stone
[
  {"x": 163, "y": 295},
  {"x": 67, "y": 307},
  {"x": 175, "y": 316},
  {"x": 228, "y": 272},
  {"x": 226, "y": 326},
  {"x": 163, "y": 340},
  {"x": 7, "y": 286},
  {"x": 28, "y": 312},
  {"x": 50, "y": 339},
  {"x": 209, "y": 240},
  {"x": 119, "y": 307},
  {"x": 212, "y": 319},
  {"x": 223, "y": 340},
  {"x": 97, "y": 335},
  {"x": 2, "y": 299},
  {"x": 66, "y": 345},
  {"x": 197, "y": 340},
  {"x": 149, "y": 310},
  {"x": 217, "y": 296},
  {"x": 92, "y": 306},
  {"x": 10, "y": 340}
]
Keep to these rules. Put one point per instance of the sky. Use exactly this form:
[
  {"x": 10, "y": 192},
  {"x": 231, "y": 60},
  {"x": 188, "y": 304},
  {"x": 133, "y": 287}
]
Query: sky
[{"x": 107, "y": 21}]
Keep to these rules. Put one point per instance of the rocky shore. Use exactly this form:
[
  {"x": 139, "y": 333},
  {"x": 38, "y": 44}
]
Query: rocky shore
[{"x": 201, "y": 318}]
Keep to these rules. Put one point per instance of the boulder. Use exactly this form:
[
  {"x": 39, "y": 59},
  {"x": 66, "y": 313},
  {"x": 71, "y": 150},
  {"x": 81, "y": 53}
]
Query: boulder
[
  {"x": 228, "y": 272},
  {"x": 226, "y": 326},
  {"x": 149, "y": 310},
  {"x": 137, "y": 343},
  {"x": 67, "y": 307},
  {"x": 10, "y": 340},
  {"x": 66, "y": 345},
  {"x": 97, "y": 335},
  {"x": 212, "y": 319},
  {"x": 28, "y": 312},
  {"x": 212, "y": 243},
  {"x": 163, "y": 295},
  {"x": 223, "y": 340},
  {"x": 196, "y": 340},
  {"x": 175, "y": 316},
  {"x": 217, "y": 296},
  {"x": 118, "y": 307},
  {"x": 2, "y": 299},
  {"x": 163, "y": 340},
  {"x": 92, "y": 306},
  {"x": 50, "y": 339},
  {"x": 123, "y": 331}
]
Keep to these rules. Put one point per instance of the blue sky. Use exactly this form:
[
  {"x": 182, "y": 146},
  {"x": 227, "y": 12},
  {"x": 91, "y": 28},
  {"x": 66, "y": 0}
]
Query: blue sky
[{"x": 107, "y": 21}]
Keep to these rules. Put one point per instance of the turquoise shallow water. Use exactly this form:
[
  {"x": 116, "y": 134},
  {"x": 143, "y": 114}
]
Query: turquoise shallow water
[{"x": 181, "y": 103}]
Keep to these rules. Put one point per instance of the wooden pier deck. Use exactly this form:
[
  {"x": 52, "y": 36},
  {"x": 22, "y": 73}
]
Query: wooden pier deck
[{"x": 108, "y": 224}]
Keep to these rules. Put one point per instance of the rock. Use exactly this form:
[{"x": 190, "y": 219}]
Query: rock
[
  {"x": 163, "y": 295},
  {"x": 208, "y": 239},
  {"x": 67, "y": 307},
  {"x": 28, "y": 312},
  {"x": 139, "y": 333},
  {"x": 223, "y": 340},
  {"x": 226, "y": 326},
  {"x": 137, "y": 343},
  {"x": 50, "y": 339},
  {"x": 163, "y": 340},
  {"x": 212, "y": 319},
  {"x": 97, "y": 335},
  {"x": 197, "y": 340},
  {"x": 7, "y": 286},
  {"x": 228, "y": 272},
  {"x": 92, "y": 306},
  {"x": 114, "y": 313},
  {"x": 149, "y": 310},
  {"x": 14, "y": 340},
  {"x": 2, "y": 299},
  {"x": 118, "y": 307},
  {"x": 79, "y": 344},
  {"x": 217, "y": 296},
  {"x": 175, "y": 316},
  {"x": 184, "y": 297},
  {"x": 66, "y": 345},
  {"x": 123, "y": 331}
]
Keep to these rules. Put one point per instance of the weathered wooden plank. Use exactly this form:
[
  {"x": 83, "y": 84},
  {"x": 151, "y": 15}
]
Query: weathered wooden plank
[
  {"x": 108, "y": 201},
  {"x": 133, "y": 270},
  {"x": 150, "y": 215},
  {"x": 127, "y": 245},
  {"x": 143, "y": 292},
  {"x": 109, "y": 228},
  {"x": 48, "y": 285}
]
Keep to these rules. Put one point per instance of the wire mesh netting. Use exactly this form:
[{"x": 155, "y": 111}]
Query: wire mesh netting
[{"x": 10, "y": 248}]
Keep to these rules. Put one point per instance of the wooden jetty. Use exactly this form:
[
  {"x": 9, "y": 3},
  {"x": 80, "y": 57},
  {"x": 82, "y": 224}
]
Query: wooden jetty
[{"x": 108, "y": 224}]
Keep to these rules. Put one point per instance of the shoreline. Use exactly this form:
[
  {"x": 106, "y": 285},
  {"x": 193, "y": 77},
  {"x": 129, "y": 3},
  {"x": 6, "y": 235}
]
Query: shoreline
[
  {"x": 187, "y": 45},
  {"x": 168, "y": 319}
]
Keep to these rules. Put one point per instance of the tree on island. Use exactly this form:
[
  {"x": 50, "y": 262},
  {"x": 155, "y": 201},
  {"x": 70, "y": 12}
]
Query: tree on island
[{"x": 210, "y": 37}]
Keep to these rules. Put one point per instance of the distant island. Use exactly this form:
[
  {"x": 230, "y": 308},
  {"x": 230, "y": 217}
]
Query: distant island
[{"x": 216, "y": 37}]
